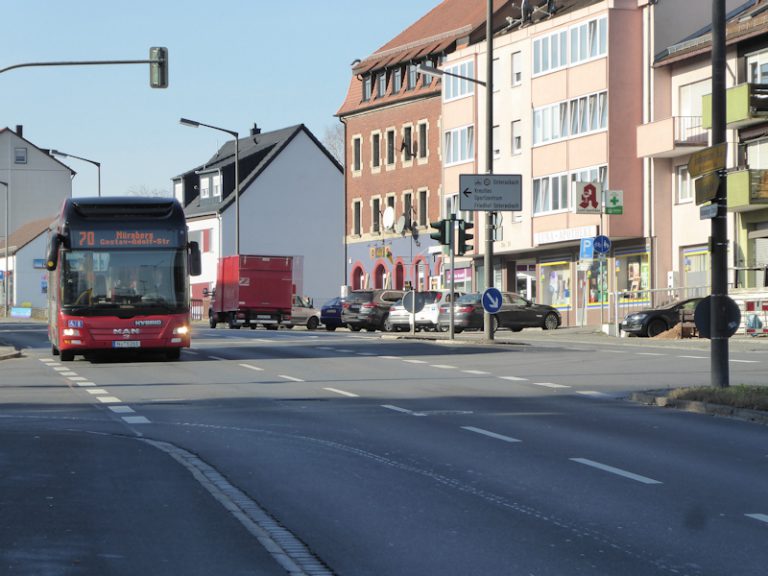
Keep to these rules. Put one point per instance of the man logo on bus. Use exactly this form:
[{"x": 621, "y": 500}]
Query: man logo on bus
[
  {"x": 588, "y": 196},
  {"x": 126, "y": 331}
]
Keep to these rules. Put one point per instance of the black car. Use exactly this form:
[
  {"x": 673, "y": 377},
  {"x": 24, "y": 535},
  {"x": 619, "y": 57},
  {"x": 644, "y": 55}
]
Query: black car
[
  {"x": 515, "y": 313},
  {"x": 368, "y": 308},
  {"x": 330, "y": 314},
  {"x": 653, "y": 321}
]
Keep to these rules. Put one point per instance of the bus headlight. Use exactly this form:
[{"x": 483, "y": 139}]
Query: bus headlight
[
  {"x": 71, "y": 332},
  {"x": 181, "y": 330}
]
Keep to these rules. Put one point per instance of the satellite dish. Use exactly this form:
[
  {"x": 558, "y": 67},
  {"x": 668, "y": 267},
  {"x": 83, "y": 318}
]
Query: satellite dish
[
  {"x": 400, "y": 225},
  {"x": 389, "y": 218}
]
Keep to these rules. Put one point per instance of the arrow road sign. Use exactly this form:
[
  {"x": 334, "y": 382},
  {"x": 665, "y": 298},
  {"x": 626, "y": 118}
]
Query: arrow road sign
[
  {"x": 491, "y": 300},
  {"x": 491, "y": 192}
]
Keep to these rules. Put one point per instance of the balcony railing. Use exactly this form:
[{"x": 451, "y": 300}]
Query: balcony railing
[{"x": 689, "y": 131}]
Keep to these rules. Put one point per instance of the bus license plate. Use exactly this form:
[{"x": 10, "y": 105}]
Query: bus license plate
[{"x": 126, "y": 344}]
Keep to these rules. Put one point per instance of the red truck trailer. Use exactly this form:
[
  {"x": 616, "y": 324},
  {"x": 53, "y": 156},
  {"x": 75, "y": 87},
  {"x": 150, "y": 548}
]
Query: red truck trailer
[{"x": 252, "y": 290}]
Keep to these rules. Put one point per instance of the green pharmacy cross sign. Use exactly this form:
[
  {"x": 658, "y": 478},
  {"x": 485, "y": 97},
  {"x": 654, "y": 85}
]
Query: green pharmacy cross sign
[{"x": 614, "y": 202}]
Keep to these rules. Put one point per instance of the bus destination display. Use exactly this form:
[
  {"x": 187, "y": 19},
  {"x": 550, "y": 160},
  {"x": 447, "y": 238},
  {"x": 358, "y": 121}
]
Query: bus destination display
[{"x": 126, "y": 239}]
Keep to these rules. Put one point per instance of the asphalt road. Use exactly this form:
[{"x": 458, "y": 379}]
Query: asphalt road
[{"x": 267, "y": 452}]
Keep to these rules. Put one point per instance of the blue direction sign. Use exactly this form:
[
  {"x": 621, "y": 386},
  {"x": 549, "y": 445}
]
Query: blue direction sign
[
  {"x": 491, "y": 300},
  {"x": 602, "y": 244}
]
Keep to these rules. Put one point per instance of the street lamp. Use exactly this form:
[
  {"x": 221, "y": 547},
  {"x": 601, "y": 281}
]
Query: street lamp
[
  {"x": 7, "y": 236},
  {"x": 425, "y": 69},
  {"x": 196, "y": 124},
  {"x": 97, "y": 164}
]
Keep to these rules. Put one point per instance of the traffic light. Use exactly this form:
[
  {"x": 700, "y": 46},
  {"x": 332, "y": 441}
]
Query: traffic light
[
  {"x": 158, "y": 67},
  {"x": 463, "y": 247},
  {"x": 442, "y": 231}
]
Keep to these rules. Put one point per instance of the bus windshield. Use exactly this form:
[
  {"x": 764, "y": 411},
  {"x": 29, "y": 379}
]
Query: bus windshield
[{"x": 133, "y": 279}]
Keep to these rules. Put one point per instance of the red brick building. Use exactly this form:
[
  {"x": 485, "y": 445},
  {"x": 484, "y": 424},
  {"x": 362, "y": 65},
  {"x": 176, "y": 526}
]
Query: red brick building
[{"x": 393, "y": 149}]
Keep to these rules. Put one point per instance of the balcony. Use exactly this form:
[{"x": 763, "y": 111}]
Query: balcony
[
  {"x": 745, "y": 105},
  {"x": 747, "y": 190},
  {"x": 671, "y": 137}
]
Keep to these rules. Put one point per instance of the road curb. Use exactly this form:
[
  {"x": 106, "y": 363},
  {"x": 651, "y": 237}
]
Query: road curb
[
  {"x": 7, "y": 352},
  {"x": 663, "y": 401}
]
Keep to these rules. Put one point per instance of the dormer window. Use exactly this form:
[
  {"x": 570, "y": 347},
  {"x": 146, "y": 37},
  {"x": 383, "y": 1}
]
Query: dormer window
[
  {"x": 397, "y": 80},
  {"x": 366, "y": 88},
  {"x": 382, "y": 85},
  {"x": 413, "y": 76}
]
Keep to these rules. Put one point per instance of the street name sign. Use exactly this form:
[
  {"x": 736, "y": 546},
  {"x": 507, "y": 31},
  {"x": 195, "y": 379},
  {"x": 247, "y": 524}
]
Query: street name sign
[
  {"x": 708, "y": 211},
  {"x": 491, "y": 192},
  {"x": 708, "y": 160}
]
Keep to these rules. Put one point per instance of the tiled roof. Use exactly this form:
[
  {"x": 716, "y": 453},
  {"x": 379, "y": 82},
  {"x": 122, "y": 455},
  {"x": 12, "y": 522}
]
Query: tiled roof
[
  {"x": 26, "y": 233},
  {"x": 433, "y": 34},
  {"x": 748, "y": 20}
]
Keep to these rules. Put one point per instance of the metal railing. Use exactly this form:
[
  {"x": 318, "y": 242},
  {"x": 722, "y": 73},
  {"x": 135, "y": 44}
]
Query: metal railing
[
  {"x": 628, "y": 302},
  {"x": 688, "y": 130}
]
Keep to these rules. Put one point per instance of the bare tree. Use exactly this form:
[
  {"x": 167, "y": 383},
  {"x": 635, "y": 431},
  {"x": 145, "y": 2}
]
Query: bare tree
[
  {"x": 333, "y": 140},
  {"x": 144, "y": 191}
]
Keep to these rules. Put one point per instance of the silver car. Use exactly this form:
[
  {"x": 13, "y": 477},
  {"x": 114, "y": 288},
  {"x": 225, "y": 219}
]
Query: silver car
[{"x": 303, "y": 313}]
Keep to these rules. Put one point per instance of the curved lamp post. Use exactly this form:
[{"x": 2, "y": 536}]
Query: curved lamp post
[
  {"x": 97, "y": 164},
  {"x": 196, "y": 124}
]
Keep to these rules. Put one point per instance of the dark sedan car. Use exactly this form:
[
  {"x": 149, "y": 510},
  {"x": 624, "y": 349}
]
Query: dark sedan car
[
  {"x": 330, "y": 314},
  {"x": 516, "y": 313},
  {"x": 653, "y": 321}
]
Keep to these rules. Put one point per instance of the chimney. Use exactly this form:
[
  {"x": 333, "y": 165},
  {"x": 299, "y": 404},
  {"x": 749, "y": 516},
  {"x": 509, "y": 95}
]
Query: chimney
[
  {"x": 255, "y": 131},
  {"x": 20, "y": 130}
]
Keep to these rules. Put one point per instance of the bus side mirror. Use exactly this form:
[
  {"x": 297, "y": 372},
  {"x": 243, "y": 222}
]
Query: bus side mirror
[
  {"x": 195, "y": 265},
  {"x": 52, "y": 260}
]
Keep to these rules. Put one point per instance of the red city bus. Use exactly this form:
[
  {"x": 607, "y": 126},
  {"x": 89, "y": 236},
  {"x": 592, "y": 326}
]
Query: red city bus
[{"x": 119, "y": 276}]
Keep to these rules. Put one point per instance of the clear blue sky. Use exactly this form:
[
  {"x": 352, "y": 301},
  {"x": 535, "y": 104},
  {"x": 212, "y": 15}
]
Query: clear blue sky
[{"x": 232, "y": 63}]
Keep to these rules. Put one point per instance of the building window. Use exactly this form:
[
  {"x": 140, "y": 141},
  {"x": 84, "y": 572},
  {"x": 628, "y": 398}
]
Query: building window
[
  {"x": 549, "y": 53},
  {"x": 356, "y": 215},
  {"x": 413, "y": 76},
  {"x": 517, "y": 69},
  {"x": 217, "y": 186},
  {"x": 376, "y": 216},
  {"x": 555, "y": 283},
  {"x": 517, "y": 137},
  {"x": 20, "y": 155},
  {"x": 407, "y": 146},
  {"x": 390, "y": 147},
  {"x": 381, "y": 85},
  {"x": 367, "y": 88},
  {"x": 397, "y": 80},
  {"x": 357, "y": 154},
  {"x": 407, "y": 208},
  {"x": 684, "y": 188},
  {"x": 422, "y": 147},
  {"x": 460, "y": 145},
  {"x": 573, "y": 118},
  {"x": 423, "y": 212},
  {"x": 589, "y": 40},
  {"x": 757, "y": 67},
  {"x": 205, "y": 187},
  {"x": 376, "y": 149},
  {"x": 552, "y": 193},
  {"x": 459, "y": 87}
]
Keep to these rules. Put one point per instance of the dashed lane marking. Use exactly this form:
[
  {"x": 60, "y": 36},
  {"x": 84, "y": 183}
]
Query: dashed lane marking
[
  {"x": 109, "y": 400},
  {"x": 122, "y": 409},
  {"x": 291, "y": 378},
  {"x": 342, "y": 392},
  {"x": 251, "y": 367},
  {"x": 760, "y": 517},
  {"x": 695, "y": 357},
  {"x": 136, "y": 420},
  {"x": 217, "y": 358},
  {"x": 513, "y": 378},
  {"x": 476, "y": 372},
  {"x": 443, "y": 366},
  {"x": 617, "y": 471},
  {"x": 490, "y": 434},
  {"x": 549, "y": 385},
  {"x": 745, "y": 361},
  {"x": 97, "y": 391},
  {"x": 415, "y": 361}
]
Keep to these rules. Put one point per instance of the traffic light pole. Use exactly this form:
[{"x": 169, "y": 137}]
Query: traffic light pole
[
  {"x": 451, "y": 331},
  {"x": 488, "y": 256}
]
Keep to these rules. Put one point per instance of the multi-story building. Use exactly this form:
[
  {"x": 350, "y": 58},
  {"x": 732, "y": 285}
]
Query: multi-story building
[{"x": 391, "y": 116}]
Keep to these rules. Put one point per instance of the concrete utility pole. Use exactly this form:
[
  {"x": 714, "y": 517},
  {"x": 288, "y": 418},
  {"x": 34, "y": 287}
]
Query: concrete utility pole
[{"x": 719, "y": 241}]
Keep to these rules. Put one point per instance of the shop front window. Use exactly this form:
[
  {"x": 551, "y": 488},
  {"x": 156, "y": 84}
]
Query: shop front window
[
  {"x": 555, "y": 283},
  {"x": 633, "y": 276}
]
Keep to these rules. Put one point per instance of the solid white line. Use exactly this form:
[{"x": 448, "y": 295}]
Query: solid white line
[
  {"x": 415, "y": 361},
  {"x": 391, "y": 357},
  {"x": 745, "y": 361},
  {"x": 443, "y": 366},
  {"x": 397, "y": 409},
  {"x": 593, "y": 393},
  {"x": 476, "y": 372},
  {"x": 122, "y": 409},
  {"x": 342, "y": 392},
  {"x": 97, "y": 391},
  {"x": 513, "y": 378},
  {"x": 290, "y": 378},
  {"x": 695, "y": 357},
  {"x": 216, "y": 358},
  {"x": 491, "y": 434},
  {"x": 109, "y": 400},
  {"x": 549, "y": 385},
  {"x": 252, "y": 367},
  {"x": 617, "y": 471},
  {"x": 761, "y": 517},
  {"x": 136, "y": 420},
  {"x": 650, "y": 354}
]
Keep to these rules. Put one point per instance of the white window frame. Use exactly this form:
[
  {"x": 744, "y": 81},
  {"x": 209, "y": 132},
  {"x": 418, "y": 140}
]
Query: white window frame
[
  {"x": 20, "y": 155},
  {"x": 455, "y": 88},
  {"x": 367, "y": 88},
  {"x": 376, "y": 167},
  {"x": 516, "y": 137},
  {"x": 376, "y": 215},
  {"x": 397, "y": 80},
  {"x": 588, "y": 41},
  {"x": 422, "y": 152},
  {"x": 216, "y": 184},
  {"x": 550, "y": 53},
  {"x": 517, "y": 68},
  {"x": 390, "y": 138},
  {"x": 405, "y": 159},
  {"x": 381, "y": 84},
  {"x": 544, "y": 185},
  {"x": 683, "y": 185},
  {"x": 577, "y": 117},
  {"x": 459, "y": 145}
]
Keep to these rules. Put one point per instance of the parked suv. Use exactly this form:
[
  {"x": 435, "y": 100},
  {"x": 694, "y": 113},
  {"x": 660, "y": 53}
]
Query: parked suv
[{"x": 368, "y": 308}]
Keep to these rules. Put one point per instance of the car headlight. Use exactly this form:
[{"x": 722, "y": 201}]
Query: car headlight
[
  {"x": 181, "y": 330},
  {"x": 639, "y": 317}
]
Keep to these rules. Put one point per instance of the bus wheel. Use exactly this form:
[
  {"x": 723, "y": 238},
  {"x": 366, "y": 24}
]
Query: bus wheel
[
  {"x": 67, "y": 355},
  {"x": 173, "y": 353}
]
